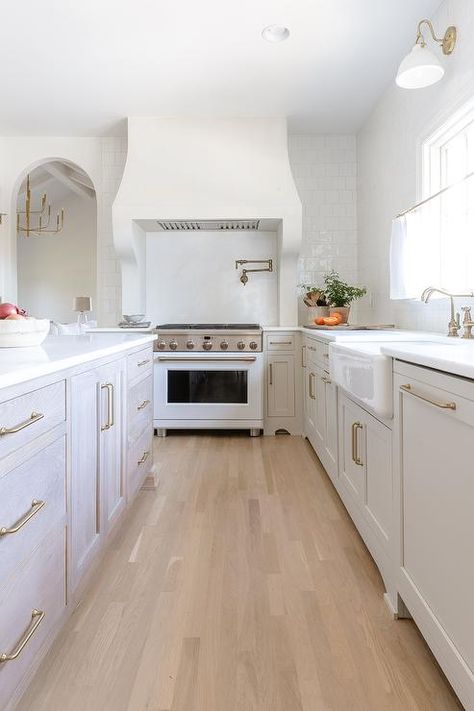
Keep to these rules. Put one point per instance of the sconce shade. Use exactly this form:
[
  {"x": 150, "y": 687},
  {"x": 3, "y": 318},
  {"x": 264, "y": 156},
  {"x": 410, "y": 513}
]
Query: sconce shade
[
  {"x": 82, "y": 303},
  {"x": 418, "y": 69}
]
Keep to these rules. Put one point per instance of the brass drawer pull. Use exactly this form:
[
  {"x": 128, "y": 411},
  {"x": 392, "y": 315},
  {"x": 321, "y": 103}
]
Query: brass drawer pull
[
  {"x": 443, "y": 405},
  {"x": 281, "y": 343},
  {"x": 303, "y": 356},
  {"x": 312, "y": 378},
  {"x": 110, "y": 406},
  {"x": 36, "y": 619},
  {"x": 355, "y": 453},
  {"x": 143, "y": 362},
  {"x": 35, "y": 507},
  {"x": 326, "y": 380},
  {"x": 34, "y": 417},
  {"x": 143, "y": 458},
  {"x": 270, "y": 371},
  {"x": 144, "y": 404}
]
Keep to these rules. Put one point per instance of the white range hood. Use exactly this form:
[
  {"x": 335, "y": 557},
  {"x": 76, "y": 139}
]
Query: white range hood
[{"x": 224, "y": 173}]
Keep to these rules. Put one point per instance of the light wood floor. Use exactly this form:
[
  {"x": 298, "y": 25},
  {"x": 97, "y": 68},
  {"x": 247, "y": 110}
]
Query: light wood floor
[{"x": 240, "y": 585}]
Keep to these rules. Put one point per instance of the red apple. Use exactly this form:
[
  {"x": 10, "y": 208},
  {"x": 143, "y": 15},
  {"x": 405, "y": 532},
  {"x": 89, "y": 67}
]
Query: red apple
[{"x": 7, "y": 309}]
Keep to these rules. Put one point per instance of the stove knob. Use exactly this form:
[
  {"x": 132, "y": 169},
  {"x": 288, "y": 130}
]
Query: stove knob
[
  {"x": 253, "y": 345},
  {"x": 173, "y": 345},
  {"x": 207, "y": 345},
  {"x": 241, "y": 345},
  {"x": 190, "y": 345},
  {"x": 224, "y": 345},
  {"x": 161, "y": 345}
]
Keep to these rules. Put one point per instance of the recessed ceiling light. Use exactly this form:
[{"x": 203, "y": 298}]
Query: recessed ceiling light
[{"x": 275, "y": 33}]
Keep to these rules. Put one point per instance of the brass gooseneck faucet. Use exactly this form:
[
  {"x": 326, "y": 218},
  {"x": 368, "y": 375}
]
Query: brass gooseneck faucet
[{"x": 454, "y": 322}]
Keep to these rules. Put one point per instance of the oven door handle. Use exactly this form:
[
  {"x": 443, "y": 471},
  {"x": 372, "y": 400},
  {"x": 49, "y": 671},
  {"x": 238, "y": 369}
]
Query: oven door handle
[{"x": 244, "y": 359}]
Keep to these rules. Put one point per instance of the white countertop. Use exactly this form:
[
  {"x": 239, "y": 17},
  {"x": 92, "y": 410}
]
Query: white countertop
[
  {"x": 450, "y": 355},
  {"x": 18, "y": 365}
]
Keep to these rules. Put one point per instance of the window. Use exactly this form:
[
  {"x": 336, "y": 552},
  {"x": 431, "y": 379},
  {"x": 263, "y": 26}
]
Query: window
[{"x": 434, "y": 244}]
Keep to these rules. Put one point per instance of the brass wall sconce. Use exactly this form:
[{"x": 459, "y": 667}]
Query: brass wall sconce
[
  {"x": 243, "y": 277},
  {"x": 421, "y": 67},
  {"x": 44, "y": 213}
]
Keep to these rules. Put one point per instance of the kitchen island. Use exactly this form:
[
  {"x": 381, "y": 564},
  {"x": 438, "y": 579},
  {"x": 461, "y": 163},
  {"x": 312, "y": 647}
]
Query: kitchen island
[{"x": 75, "y": 447}]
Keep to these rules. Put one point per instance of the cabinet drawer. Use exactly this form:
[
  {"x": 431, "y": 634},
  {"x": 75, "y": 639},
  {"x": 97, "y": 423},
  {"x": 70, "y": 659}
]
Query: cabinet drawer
[
  {"x": 280, "y": 341},
  {"x": 31, "y": 604},
  {"x": 24, "y": 418},
  {"x": 317, "y": 352},
  {"x": 32, "y": 500},
  {"x": 140, "y": 364},
  {"x": 140, "y": 460},
  {"x": 140, "y": 408}
]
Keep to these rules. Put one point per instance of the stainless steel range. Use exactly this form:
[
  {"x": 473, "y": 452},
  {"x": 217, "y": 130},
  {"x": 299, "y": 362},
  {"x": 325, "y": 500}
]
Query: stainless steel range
[
  {"x": 220, "y": 337},
  {"x": 208, "y": 376}
]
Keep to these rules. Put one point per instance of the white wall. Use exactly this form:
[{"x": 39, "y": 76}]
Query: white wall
[
  {"x": 52, "y": 269},
  {"x": 191, "y": 277},
  {"x": 325, "y": 170},
  {"x": 388, "y": 152}
]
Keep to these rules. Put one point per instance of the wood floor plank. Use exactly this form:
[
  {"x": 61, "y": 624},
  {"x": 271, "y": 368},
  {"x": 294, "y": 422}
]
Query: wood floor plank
[{"x": 240, "y": 584}]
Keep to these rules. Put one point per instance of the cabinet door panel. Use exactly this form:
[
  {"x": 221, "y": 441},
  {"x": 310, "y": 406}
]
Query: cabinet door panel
[
  {"x": 438, "y": 521},
  {"x": 111, "y": 459},
  {"x": 353, "y": 445},
  {"x": 378, "y": 499},
  {"x": 281, "y": 386},
  {"x": 85, "y": 479},
  {"x": 331, "y": 441}
]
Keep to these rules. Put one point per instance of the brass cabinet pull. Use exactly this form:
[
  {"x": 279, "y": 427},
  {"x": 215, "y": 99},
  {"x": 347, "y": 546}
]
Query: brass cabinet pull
[
  {"x": 35, "y": 507},
  {"x": 443, "y": 405},
  {"x": 144, "y": 404},
  {"x": 326, "y": 380},
  {"x": 270, "y": 371},
  {"x": 36, "y": 619},
  {"x": 303, "y": 356},
  {"x": 110, "y": 406},
  {"x": 355, "y": 453},
  {"x": 34, "y": 417},
  {"x": 281, "y": 343},
  {"x": 143, "y": 362},
  {"x": 312, "y": 378},
  {"x": 144, "y": 457}
]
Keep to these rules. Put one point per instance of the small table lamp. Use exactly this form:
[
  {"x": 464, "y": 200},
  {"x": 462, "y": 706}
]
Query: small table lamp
[{"x": 83, "y": 305}]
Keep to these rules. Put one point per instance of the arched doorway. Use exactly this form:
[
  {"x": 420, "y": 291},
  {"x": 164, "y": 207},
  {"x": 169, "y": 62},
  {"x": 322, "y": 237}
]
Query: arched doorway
[{"x": 54, "y": 267}]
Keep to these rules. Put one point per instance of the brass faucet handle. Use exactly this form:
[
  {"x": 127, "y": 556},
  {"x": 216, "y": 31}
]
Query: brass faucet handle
[{"x": 467, "y": 318}]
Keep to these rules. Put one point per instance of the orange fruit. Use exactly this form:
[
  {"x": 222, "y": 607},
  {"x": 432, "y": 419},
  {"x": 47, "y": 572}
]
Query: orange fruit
[
  {"x": 331, "y": 321},
  {"x": 338, "y": 316},
  {"x": 319, "y": 321}
]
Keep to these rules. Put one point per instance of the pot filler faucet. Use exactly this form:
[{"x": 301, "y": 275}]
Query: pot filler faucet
[{"x": 454, "y": 322}]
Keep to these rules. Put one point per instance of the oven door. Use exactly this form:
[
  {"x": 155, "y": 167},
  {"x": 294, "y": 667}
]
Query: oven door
[{"x": 208, "y": 387}]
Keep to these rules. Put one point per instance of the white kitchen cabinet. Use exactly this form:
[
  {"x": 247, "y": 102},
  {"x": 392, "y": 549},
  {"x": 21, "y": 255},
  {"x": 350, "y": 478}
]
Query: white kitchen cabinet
[
  {"x": 365, "y": 455},
  {"x": 281, "y": 385},
  {"x": 321, "y": 423},
  {"x": 97, "y": 484},
  {"x": 111, "y": 454},
  {"x": 435, "y": 415}
]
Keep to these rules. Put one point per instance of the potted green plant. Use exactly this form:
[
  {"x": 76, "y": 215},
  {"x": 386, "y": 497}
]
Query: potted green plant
[
  {"x": 314, "y": 298},
  {"x": 340, "y": 295}
]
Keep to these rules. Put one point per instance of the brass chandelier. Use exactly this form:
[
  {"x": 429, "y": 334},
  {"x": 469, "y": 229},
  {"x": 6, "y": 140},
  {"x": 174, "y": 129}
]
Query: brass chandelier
[{"x": 42, "y": 217}]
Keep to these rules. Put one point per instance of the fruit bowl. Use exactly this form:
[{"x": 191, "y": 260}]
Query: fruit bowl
[{"x": 23, "y": 333}]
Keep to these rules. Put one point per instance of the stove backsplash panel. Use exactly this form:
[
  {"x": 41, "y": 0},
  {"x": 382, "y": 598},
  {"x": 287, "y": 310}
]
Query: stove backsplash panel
[{"x": 191, "y": 277}]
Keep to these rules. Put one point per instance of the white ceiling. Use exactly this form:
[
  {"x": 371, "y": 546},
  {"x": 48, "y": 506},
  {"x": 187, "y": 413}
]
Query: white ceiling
[{"x": 80, "y": 67}]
